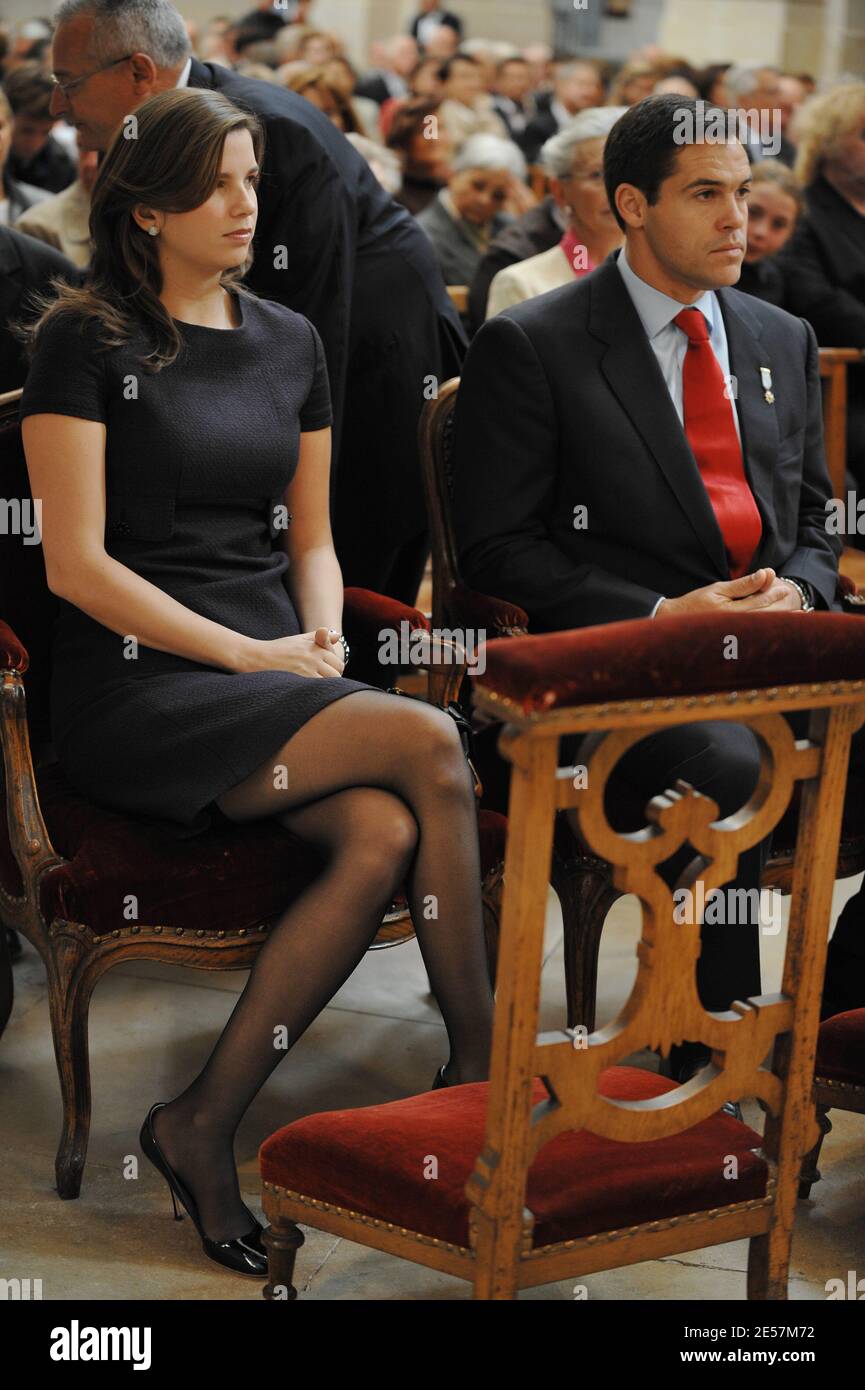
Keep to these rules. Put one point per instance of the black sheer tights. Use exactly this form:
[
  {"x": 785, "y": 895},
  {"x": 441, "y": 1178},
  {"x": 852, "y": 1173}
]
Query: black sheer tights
[{"x": 381, "y": 786}]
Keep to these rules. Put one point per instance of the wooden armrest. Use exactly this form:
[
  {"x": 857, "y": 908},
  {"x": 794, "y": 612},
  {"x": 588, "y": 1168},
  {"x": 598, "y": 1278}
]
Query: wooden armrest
[
  {"x": 13, "y": 653},
  {"x": 496, "y": 616}
]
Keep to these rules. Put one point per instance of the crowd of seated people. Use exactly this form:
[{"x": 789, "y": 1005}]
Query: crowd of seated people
[
  {"x": 475, "y": 164},
  {"x": 426, "y": 93}
]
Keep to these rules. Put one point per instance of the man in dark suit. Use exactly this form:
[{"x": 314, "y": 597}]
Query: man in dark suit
[
  {"x": 598, "y": 477},
  {"x": 512, "y": 99},
  {"x": 331, "y": 244},
  {"x": 577, "y": 85},
  {"x": 25, "y": 264},
  {"x": 36, "y": 157},
  {"x": 431, "y": 16},
  {"x": 381, "y": 84}
]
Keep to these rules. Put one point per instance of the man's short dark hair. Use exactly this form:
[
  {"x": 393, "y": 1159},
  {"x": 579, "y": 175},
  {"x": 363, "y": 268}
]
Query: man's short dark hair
[
  {"x": 29, "y": 89},
  {"x": 641, "y": 149},
  {"x": 408, "y": 122},
  {"x": 449, "y": 64}
]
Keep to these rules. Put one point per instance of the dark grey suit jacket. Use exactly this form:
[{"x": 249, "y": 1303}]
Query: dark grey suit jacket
[{"x": 563, "y": 405}]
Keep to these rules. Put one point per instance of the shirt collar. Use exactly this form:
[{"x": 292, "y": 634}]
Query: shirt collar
[
  {"x": 184, "y": 76},
  {"x": 656, "y": 309}
]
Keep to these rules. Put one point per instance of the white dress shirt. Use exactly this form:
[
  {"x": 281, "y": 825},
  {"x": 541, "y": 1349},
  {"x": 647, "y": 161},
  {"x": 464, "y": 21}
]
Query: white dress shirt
[{"x": 184, "y": 76}]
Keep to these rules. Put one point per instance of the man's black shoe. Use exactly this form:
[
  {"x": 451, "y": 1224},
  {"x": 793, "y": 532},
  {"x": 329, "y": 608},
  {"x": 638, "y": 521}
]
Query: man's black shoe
[{"x": 685, "y": 1060}]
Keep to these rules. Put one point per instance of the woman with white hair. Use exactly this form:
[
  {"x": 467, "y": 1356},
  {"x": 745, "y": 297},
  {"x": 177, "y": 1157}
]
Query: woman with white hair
[
  {"x": 574, "y": 160},
  {"x": 483, "y": 191}
]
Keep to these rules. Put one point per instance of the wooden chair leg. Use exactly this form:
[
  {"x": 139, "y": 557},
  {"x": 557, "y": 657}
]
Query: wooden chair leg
[
  {"x": 769, "y": 1264},
  {"x": 810, "y": 1172},
  {"x": 586, "y": 894},
  {"x": 7, "y": 985},
  {"x": 69, "y": 991},
  {"x": 282, "y": 1241},
  {"x": 496, "y": 1261}
]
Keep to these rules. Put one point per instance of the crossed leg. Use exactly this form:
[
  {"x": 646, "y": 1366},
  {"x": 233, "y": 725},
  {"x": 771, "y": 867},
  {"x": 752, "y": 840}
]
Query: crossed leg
[{"x": 380, "y": 786}]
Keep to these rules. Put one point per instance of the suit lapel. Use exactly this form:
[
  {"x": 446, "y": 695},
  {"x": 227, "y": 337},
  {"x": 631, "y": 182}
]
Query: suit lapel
[
  {"x": 757, "y": 418},
  {"x": 633, "y": 374}
]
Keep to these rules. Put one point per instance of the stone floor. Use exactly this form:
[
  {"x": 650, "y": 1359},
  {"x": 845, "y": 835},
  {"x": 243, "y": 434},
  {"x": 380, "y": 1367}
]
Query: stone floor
[{"x": 381, "y": 1038}]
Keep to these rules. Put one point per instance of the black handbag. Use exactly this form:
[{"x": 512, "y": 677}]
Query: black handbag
[{"x": 466, "y": 732}]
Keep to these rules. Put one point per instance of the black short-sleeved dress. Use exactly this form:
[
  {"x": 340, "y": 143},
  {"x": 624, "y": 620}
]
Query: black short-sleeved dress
[{"x": 198, "y": 457}]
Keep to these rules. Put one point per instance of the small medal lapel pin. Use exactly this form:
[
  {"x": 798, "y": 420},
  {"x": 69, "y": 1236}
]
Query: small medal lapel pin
[{"x": 766, "y": 378}]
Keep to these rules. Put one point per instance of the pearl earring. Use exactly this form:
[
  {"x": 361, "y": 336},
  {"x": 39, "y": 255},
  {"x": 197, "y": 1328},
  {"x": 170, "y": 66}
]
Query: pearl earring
[{"x": 153, "y": 231}]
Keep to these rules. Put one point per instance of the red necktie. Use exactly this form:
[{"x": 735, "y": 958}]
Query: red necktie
[{"x": 712, "y": 436}]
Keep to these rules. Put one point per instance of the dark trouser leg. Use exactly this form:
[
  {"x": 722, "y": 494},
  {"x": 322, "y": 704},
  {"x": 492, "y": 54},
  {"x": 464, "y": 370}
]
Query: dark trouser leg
[{"x": 722, "y": 761}]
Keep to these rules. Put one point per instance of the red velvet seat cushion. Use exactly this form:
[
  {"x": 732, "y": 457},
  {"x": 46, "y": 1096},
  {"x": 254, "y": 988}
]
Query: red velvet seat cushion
[
  {"x": 231, "y": 876},
  {"x": 841, "y": 1048},
  {"x": 645, "y": 658},
  {"x": 373, "y": 1161}
]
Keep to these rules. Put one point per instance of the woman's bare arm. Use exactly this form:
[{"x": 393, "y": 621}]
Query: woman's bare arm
[{"x": 66, "y": 463}]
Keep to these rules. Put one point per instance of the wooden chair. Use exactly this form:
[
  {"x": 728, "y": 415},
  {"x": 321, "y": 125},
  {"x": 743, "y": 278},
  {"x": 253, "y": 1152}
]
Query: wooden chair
[
  {"x": 583, "y": 882},
  {"x": 833, "y": 372},
  {"x": 67, "y": 866},
  {"x": 567, "y": 1163},
  {"x": 839, "y": 1080}
]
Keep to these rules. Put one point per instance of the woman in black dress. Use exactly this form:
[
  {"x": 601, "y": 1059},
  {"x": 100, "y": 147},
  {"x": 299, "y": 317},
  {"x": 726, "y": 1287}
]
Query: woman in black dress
[{"x": 173, "y": 422}]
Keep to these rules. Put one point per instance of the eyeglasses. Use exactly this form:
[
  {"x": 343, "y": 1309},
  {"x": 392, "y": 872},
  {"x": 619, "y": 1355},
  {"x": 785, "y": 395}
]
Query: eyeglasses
[{"x": 66, "y": 87}]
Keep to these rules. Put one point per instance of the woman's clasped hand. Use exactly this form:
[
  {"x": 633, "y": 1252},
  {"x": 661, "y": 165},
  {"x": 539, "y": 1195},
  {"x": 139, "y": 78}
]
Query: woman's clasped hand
[{"x": 317, "y": 653}]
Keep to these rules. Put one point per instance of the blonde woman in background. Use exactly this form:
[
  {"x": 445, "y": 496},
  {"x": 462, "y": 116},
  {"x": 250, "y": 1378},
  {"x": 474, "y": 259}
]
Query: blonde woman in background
[{"x": 774, "y": 206}]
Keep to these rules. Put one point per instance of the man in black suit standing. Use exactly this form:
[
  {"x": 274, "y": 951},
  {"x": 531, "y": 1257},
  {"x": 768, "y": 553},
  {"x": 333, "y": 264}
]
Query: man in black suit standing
[
  {"x": 648, "y": 442},
  {"x": 330, "y": 243},
  {"x": 432, "y": 16}
]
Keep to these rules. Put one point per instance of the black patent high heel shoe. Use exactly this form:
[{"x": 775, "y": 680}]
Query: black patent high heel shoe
[{"x": 245, "y": 1254}]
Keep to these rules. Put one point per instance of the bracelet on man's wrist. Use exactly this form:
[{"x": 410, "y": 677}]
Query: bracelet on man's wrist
[{"x": 807, "y": 601}]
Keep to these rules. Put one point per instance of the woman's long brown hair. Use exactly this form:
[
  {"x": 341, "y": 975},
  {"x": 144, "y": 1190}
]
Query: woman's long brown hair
[{"x": 166, "y": 156}]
